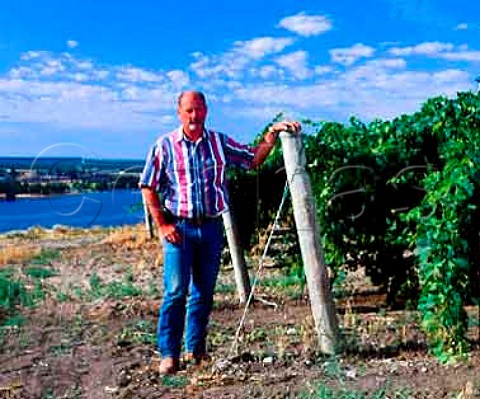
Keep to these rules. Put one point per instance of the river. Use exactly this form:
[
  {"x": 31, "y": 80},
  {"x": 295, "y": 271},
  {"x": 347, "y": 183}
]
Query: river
[{"x": 110, "y": 208}]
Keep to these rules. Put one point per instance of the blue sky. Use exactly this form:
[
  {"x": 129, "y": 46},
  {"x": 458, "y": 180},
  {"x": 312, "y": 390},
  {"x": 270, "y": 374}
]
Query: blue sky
[{"x": 100, "y": 78}]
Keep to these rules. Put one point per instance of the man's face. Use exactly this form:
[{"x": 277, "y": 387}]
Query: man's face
[{"x": 192, "y": 112}]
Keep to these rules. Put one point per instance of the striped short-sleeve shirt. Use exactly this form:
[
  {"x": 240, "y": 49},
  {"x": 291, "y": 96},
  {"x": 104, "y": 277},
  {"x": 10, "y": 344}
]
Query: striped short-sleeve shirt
[{"x": 190, "y": 176}]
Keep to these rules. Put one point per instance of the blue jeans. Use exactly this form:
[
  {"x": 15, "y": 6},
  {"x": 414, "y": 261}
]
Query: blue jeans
[{"x": 190, "y": 267}]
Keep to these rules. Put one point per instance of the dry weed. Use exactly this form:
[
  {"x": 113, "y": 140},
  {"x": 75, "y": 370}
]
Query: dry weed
[
  {"x": 12, "y": 254},
  {"x": 467, "y": 391},
  {"x": 129, "y": 237},
  {"x": 308, "y": 335}
]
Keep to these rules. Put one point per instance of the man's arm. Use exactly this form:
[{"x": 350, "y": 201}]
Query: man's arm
[
  {"x": 263, "y": 148},
  {"x": 167, "y": 230}
]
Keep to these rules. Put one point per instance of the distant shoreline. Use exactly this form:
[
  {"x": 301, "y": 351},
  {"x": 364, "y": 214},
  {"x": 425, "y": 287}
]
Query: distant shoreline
[
  {"x": 68, "y": 157},
  {"x": 3, "y": 196}
]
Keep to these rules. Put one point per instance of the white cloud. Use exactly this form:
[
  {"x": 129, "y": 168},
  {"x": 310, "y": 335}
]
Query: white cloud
[
  {"x": 348, "y": 56},
  {"x": 43, "y": 65},
  {"x": 268, "y": 72},
  {"x": 75, "y": 93},
  {"x": 426, "y": 48},
  {"x": 84, "y": 65},
  {"x": 80, "y": 77},
  {"x": 52, "y": 67},
  {"x": 470, "y": 56},
  {"x": 205, "y": 66},
  {"x": 306, "y": 25},
  {"x": 441, "y": 50},
  {"x": 450, "y": 75},
  {"x": 462, "y": 26},
  {"x": 296, "y": 63},
  {"x": 238, "y": 61},
  {"x": 21, "y": 72},
  {"x": 178, "y": 78},
  {"x": 258, "y": 77},
  {"x": 133, "y": 74},
  {"x": 31, "y": 55},
  {"x": 378, "y": 88},
  {"x": 261, "y": 46},
  {"x": 72, "y": 43},
  {"x": 76, "y": 105},
  {"x": 396, "y": 63},
  {"x": 322, "y": 69},
  {"x": 100, "y": 74}
]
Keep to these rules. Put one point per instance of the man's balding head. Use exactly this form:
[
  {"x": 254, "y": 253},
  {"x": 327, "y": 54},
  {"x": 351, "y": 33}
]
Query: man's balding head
[{"x": 192, "y": 93}]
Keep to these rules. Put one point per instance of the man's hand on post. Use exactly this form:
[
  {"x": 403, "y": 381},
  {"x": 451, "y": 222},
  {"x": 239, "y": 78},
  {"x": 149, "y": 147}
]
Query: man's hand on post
[{"x": 292, "y": 127}]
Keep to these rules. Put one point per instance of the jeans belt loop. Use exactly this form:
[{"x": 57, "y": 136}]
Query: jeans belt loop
[{"x": 195, "y": 221}]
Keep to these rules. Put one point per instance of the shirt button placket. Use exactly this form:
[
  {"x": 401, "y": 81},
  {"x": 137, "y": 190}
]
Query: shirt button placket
[{"x": 196, "y": 169}]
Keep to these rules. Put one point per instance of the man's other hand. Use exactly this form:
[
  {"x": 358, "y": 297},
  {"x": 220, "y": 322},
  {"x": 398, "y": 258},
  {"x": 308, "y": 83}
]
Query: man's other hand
[{"x": 170, "y": 233}]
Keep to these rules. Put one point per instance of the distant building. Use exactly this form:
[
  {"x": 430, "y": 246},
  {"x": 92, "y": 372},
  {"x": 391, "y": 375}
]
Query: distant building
[
  {"x": 7, "y": 189},
  {"x": 5, "y": 177}
]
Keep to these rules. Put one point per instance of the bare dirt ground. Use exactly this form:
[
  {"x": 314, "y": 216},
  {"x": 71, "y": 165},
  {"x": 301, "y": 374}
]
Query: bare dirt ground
[{"x": 93, "y": 333}]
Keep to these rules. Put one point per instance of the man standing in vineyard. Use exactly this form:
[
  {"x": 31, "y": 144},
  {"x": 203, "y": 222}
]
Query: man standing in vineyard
[{"x": 183, "y": 183}]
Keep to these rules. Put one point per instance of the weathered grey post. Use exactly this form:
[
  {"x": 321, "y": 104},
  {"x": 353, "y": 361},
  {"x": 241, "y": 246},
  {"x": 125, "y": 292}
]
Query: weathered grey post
[
  {"x": 321, "y": 302},
  {"x": 239, "y": 266},
  {"x": 148, "y": 219}
]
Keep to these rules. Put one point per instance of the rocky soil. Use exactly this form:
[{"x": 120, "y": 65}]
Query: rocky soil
[{"x": 91, "y": 333}]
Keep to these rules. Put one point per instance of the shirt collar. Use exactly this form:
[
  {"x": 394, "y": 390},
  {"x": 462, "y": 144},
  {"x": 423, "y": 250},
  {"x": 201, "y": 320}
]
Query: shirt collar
[{"x": 179, "y": 135}]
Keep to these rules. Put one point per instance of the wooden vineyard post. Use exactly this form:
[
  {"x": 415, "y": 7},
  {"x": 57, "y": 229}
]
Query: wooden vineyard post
[
  {"x": 239, "y": 266},
  {"x": 148, "y": 219},
  {"x": 318, "y": 284}
]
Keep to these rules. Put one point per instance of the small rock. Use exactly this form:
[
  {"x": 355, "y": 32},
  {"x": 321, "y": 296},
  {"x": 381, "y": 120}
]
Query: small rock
[
  {"x": 61, "y": 228},
  {"x": 124, "y": 380},
  {"x": 221, "y": 365},
  {"x": 111, "y": 389},
  {"x": 267, "y": 360},
  {"x": 351, "y": 373}
]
